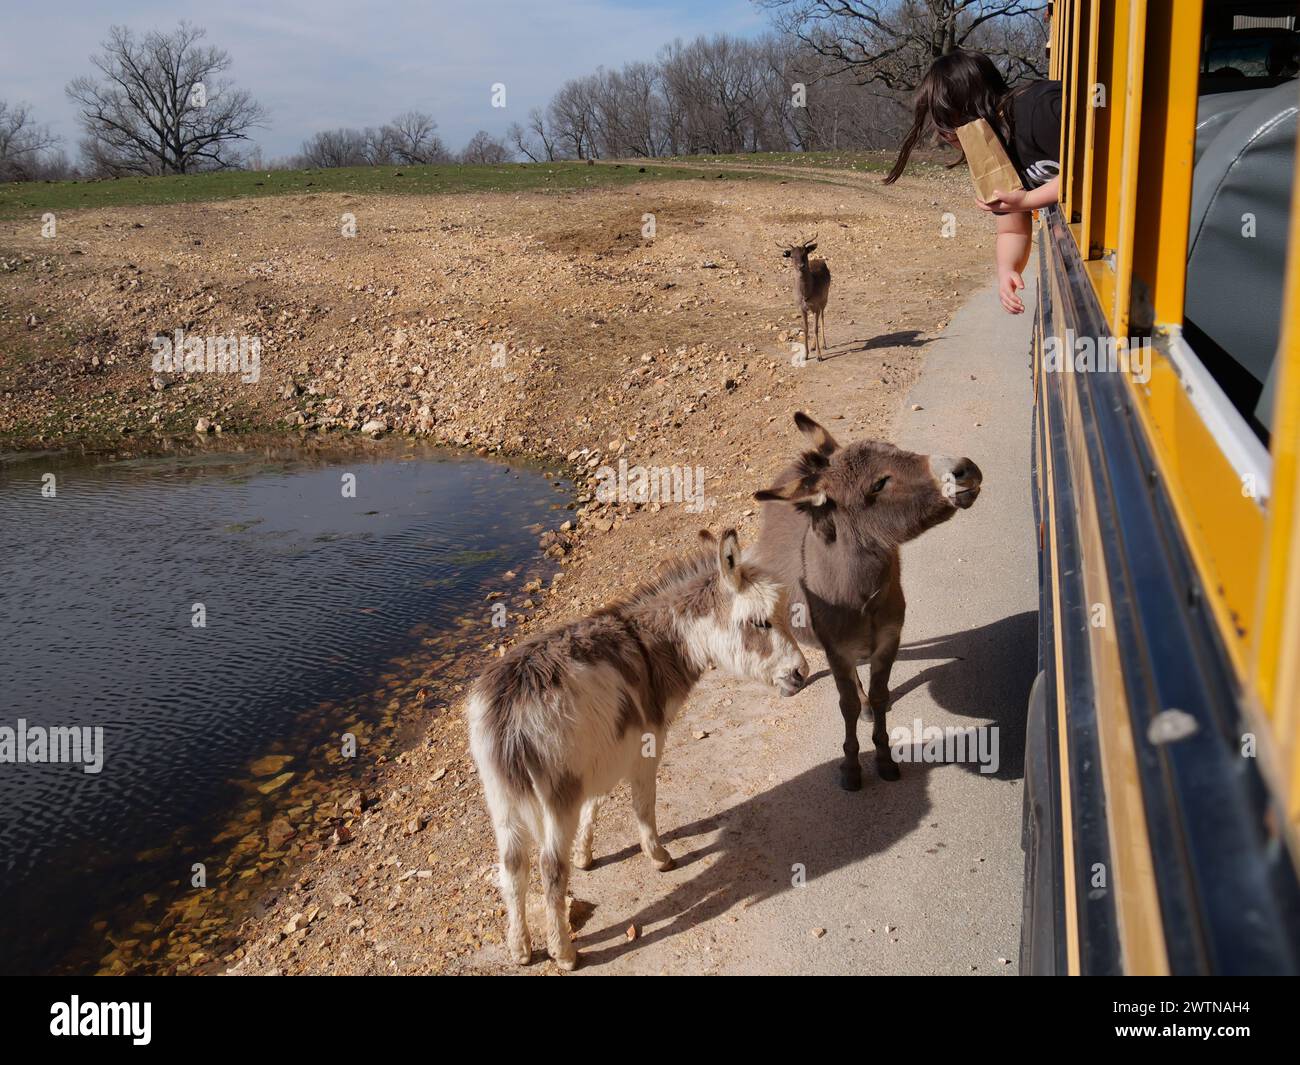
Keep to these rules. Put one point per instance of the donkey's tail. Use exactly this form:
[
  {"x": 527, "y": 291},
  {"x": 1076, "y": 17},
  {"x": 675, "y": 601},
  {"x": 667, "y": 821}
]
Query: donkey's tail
[{"x": 510, "y": 795}]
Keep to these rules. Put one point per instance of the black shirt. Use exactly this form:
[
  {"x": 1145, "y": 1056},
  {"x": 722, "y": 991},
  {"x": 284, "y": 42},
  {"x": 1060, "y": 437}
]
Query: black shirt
[{"x": 1035, "y": 149}]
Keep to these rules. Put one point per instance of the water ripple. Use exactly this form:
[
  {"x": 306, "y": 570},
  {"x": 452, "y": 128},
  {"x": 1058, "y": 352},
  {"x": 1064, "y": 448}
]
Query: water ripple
[{"x": 306, "y": 593}]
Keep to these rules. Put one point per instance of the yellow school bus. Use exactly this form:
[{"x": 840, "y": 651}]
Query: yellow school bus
[{"x": 1162, "y": 790}]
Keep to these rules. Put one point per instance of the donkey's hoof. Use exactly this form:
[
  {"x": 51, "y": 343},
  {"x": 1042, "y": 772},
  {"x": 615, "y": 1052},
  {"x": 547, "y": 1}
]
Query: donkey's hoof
[
  {"x": 566, "y": 960},
  {"x": 662, "y": 865},
  {"x": 521, "y": 953},
  {"x": 851, "y": 778},
  {"x": 887, "y": 768},
  {"x": 582, "y": 861}
]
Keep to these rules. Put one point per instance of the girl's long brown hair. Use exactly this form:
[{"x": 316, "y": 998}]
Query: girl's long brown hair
[{"x": 958, "y": 88}]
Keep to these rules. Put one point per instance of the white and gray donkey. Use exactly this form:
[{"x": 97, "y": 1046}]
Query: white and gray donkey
[{"x": 564, "y": 716}]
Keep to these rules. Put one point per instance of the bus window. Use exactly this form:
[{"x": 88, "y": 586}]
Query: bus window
[{"x": 1241, "y": 199}]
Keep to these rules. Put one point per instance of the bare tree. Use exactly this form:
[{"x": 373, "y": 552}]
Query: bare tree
[
  {"x": 572, "y": 116},
  {"x": 485, "y": 150},
  {"x": 796, "y": 90},
  {"x": 725, "y": 94},
  {"x": 161, "y": 105},
  {"x": 539, "y": 129},
  {"x": 537, "y": 140},
  {"x": 53, "y": 166},
  {"x": 24, "y": 146},
  {"x": 378, "y": 148},
  {"x": 413, "y": 139},
  {"x": 836, "y": 111},
  {"x": 1017, "y": 45},
  {"x": 891, "y": 43},
  {"x": 410, "y": 139},
  {"x": 524, "y": 144},
  {"x": 338, "y": 147}
]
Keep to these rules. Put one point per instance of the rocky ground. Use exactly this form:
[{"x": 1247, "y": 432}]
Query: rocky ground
[{"x": 549, "y": 325}]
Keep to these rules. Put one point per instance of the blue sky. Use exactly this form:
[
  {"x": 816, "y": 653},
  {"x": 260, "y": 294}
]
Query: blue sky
[{"x": 318, "y": 64}]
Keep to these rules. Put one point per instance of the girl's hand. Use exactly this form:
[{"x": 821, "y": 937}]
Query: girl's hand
[
  {"x": 1009, "y": 282},
  {"x": 1007, "y": 202}
]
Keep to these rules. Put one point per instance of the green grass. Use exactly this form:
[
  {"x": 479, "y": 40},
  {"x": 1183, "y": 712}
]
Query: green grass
[
  {"x": 873, "y": 162},
  {"x": 39, "y": 197},
  {"x": 35, "y": 198}
]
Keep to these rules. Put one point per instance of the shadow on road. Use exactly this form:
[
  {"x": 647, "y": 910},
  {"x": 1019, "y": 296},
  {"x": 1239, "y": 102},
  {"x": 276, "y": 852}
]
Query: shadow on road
[
  {"x": 984, "y": 673},
  {"x": 806, "y": 821},
  {"x": 903, "y": 338}
]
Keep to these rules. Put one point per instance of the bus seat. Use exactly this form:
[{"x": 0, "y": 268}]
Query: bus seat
[
  {"x": 1214, "y": 111},
  {"x": 1242, "y": 185}
]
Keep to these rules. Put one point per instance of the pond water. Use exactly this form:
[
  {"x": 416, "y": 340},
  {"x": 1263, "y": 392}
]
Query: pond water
[{"x": 308, "y": 571}]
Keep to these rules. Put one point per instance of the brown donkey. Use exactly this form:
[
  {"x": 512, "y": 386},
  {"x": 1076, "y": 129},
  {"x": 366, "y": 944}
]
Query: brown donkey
[
  {"x": 832, "y": 526},
  {"x": 812, "y": 287}
]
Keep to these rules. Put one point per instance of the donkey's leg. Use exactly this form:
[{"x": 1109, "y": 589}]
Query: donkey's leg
[
  {"x": 513, "y": 843},
  {"x": 514, "y": 886},
  {"x": 643, "y": 782},
  {"x": 586, "y": 828},
  {"x": 847, "y": 684},
  {"x": 560, "y": 824},
  {"x": 882, "y": 661}
]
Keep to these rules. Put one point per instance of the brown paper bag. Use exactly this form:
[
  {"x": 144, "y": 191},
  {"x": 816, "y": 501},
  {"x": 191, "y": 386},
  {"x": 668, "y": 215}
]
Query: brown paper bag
[{"x": 990, "y": 167}]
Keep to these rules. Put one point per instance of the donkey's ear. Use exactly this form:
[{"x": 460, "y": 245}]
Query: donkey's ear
[
  {"x": 707, "y": 537},
  {"x": 729, "y": 559},
  {"x": 806, "y": 494},
  {"x": 817, "y": 436},
  {"x": 797, "y": 491}
]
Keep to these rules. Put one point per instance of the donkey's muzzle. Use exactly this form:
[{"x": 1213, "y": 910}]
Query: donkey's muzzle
[
  {"x": 968, "y": 478},
  {"x": 959, "y": 479},
  {"x": 792, "y": 683}
]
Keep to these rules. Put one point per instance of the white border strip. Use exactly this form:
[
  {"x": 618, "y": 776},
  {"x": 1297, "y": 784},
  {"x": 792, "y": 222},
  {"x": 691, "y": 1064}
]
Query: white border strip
[{"x": 1237, "y": 440}]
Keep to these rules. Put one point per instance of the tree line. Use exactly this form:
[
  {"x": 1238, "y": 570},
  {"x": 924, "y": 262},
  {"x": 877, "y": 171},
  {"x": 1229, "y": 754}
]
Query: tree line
[
  {"x": 713, "y": 95},
  {"x": 411, "y": 138},
  {"x": 831, "y": 75}
]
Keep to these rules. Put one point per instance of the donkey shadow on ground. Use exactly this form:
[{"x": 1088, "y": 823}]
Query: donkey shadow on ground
[
  {"x": 983, "y": 673},
  {"x": 754, "y": 847},
  {"x": 746, "y": 854}
]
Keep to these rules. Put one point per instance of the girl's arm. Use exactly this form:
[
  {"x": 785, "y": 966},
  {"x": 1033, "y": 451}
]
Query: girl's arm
[
  {"x": 1012, "y": 210},
  {"x": 1022, "y": 200},
  {"x": 1013, "y": 245}
]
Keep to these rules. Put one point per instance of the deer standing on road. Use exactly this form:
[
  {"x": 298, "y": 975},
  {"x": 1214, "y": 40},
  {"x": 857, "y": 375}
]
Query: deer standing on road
[{"x": 812, "y": 286}]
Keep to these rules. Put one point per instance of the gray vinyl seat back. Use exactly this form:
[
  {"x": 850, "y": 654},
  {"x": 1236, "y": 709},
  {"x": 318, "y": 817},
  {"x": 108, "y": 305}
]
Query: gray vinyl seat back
[
  {"x": 1216, "y": 110},
  {"x": 1242, "y": 185}
]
